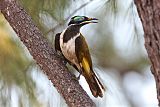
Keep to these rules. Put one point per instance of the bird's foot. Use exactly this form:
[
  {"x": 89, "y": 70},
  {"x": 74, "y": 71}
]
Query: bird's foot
[
  {"x": 64, "y": 61},
  {"x": 80, "y": 73},
  {"x": 62, "y": 58},
  {"x": 77, "y": 78}
]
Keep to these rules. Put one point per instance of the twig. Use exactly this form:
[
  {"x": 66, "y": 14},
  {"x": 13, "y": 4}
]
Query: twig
[{"x": 75, "y": 11}]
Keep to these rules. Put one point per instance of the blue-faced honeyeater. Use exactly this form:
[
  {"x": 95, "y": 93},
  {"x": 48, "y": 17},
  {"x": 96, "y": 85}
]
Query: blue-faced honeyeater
[{"x": 73, "y": 46}]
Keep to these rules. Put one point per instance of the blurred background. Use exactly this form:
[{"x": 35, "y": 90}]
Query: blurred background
[{"x": 116, "y": 44}]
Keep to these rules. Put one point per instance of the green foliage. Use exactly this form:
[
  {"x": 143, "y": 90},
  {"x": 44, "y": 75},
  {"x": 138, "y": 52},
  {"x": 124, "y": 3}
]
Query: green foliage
[
  {"x": 111, "y": 6},
  {"x": 111, "y": 14},
  {"x": 14, "y": 65},
  {"x": 13, "y": 60},
  {"x": 49, "y": 8}
]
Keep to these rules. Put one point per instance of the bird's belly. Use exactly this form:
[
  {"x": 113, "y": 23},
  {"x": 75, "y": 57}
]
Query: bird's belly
[{"x": 68, "y": 50}]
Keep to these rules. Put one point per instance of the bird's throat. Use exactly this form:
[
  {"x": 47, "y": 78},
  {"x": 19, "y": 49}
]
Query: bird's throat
[{"x": 70, "y": 32}]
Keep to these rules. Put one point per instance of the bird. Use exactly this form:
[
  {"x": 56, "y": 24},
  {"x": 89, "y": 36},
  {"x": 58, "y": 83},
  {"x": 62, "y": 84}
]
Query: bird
[{"x": 73, "y": 46}]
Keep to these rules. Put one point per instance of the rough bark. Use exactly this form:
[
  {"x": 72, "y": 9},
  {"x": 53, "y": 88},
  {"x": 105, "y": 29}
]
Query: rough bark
[
  {"x": 44, "y": 54},
  {"x": 149, "y": 12}
]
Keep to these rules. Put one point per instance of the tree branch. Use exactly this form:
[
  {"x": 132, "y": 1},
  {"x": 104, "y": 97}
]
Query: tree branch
[
  {"x": 44, "y": 54},
  {"x": 149, "y": 13}
]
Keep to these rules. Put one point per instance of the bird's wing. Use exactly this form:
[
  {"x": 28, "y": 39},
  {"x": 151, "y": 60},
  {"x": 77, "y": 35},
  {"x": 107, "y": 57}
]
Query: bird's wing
[
  {"x": 56, "y": 42},
  {"x": 82, "y": 52},
  {"x": 84, "y": 58}
]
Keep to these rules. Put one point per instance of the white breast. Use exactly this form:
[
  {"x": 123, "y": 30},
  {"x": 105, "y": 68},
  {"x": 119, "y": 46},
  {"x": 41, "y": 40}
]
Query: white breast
[{"x": 68, "y": 49}]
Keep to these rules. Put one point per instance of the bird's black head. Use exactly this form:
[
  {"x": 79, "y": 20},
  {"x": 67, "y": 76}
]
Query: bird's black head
[{"x": 81, "y": 20}]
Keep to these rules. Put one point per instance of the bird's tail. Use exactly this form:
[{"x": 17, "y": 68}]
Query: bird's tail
[{"x": 95, "y": 85}]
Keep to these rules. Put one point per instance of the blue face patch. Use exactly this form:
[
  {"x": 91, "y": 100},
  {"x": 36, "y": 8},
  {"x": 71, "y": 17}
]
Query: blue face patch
[{"x": 78, "y": 18}]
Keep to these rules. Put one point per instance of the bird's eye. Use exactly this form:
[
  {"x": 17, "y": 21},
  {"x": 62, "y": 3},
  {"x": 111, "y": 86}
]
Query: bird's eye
[{"x": 78, "y": 18}]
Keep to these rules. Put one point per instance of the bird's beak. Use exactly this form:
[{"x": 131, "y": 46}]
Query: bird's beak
[{"x": 90, "y": 20}]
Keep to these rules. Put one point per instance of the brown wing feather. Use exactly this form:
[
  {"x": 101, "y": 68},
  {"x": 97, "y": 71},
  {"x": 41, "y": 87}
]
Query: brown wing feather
[
  {"x": 84, "y": 58},
  {"x": 56, "y": 42},
  {"x": 82, "y": 50}
]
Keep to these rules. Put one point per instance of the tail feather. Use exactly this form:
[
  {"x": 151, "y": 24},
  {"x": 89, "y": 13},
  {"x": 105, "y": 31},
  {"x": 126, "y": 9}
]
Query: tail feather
[{"x": 95, "y": 85}]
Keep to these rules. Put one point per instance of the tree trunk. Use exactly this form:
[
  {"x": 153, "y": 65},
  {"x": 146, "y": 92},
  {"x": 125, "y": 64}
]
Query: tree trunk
[
  {"x": 44, "y": 55},
  {"x": 149, "y": 12}
]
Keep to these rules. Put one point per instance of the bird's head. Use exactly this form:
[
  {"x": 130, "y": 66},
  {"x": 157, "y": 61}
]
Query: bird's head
[{"x": 82, "y": 20}]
